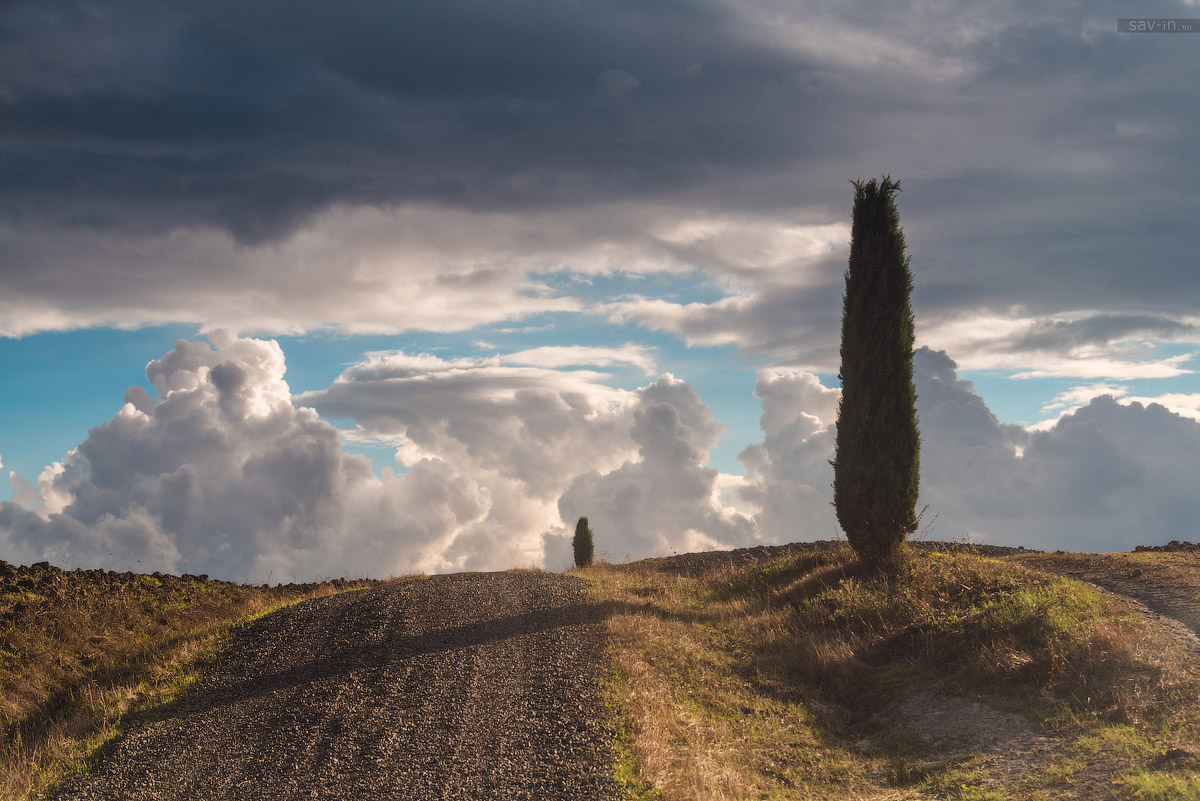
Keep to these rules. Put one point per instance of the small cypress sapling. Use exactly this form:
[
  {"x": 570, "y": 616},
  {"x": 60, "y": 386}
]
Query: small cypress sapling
[{"x": 584, "y": 546}]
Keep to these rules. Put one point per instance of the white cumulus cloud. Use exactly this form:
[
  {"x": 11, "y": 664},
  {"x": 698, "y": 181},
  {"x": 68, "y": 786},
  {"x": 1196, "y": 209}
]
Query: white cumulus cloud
[
  {"x": 221, "y": 474},
  {"x": 1107, "y": 475},
  {"x": 222, "y": 471},
  {"x": 552, "y": 444},
  {"x": 664, "y": 500},
  {"x": 788, "y": 475}
]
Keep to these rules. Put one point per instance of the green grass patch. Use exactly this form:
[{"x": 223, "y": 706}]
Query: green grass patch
[{"x": 1157, "y": 785}]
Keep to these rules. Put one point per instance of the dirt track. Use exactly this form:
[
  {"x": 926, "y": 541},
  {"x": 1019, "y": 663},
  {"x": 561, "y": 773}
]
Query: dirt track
[{"x": 471, "y": 686}]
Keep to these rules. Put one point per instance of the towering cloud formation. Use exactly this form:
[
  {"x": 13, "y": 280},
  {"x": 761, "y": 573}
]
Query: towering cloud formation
[
  {"x": 1107, "y": 476},
  {"x": 665, "y": 499},
  {"x": 551, "y": 445},
  {"x": 788, "y": 475},
  {"x": 221, "y": 472}
]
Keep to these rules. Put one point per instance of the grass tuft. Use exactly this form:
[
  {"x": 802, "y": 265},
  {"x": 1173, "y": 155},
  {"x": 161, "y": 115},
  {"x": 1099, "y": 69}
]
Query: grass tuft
[{"x": 1156, "y": 785}]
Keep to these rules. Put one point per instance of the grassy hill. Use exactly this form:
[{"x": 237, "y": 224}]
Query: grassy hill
[
  {"x": 768, "y": 673},
  {"x": 786, "y": 673},
  {"x": 83, "y": 652}
]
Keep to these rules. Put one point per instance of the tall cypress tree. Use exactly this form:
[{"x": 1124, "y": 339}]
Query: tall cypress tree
[
  {"x": 876, "y": 468},
  {"x": 583, "y": 544}
]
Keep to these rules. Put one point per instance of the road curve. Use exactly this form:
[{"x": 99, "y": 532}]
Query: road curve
[{"x": 470, "y": 686}]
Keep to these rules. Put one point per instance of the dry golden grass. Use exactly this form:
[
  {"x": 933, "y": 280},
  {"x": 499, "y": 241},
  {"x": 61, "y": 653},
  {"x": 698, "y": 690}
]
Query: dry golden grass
[
  {"x": 1178, "y": 569},
  {"x": 82, "y": 651},
  {"x": 780, "y": 679},
  {"x": 704, "y": 722},
  {"x": 775, "y": 678}
]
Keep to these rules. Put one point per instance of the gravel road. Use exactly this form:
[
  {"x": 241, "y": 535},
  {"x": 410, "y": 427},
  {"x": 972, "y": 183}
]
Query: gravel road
[{"x": 470, "y": 686}]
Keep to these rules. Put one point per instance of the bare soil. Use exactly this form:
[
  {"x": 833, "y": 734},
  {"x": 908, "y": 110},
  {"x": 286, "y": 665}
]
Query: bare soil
[
  {"x": 943, "y": 728},
  {"x": 479, "y": 686}
]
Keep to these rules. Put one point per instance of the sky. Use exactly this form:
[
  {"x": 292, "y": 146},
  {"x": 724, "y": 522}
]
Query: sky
[{"x": 290, "y": 291}]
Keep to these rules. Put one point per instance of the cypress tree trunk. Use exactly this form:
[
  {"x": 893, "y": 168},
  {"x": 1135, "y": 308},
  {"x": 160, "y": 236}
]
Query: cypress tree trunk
[
  {"x": 583, "y": 543},
  {"x": 876, "y": 468}
]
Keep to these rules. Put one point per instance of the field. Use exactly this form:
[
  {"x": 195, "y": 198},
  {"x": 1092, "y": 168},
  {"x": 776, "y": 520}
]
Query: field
[
  {"x": 786, "y": 673},
  {"x": 767, "y": 673},
  {"x": 85, "y": 652}
]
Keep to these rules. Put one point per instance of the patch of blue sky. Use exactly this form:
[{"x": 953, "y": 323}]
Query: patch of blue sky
[
  {"x": 695, "y": 286},
  {"x": 726, "y": 382},
  {"x": 380, "y": 454},
  {"x": 1026, "y": 401},
  {"x": 57, "y": 385}
]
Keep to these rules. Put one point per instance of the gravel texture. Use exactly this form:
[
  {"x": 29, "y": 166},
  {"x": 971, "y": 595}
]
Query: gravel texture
[{"x": 470, "y": 686}]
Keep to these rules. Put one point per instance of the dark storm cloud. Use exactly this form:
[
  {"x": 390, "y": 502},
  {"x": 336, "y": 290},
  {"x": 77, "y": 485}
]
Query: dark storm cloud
[
  {"x": 1114, "y": 240},
  {"x": 250, "y": 117},
  {"x": 1047, "y": 161}
]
